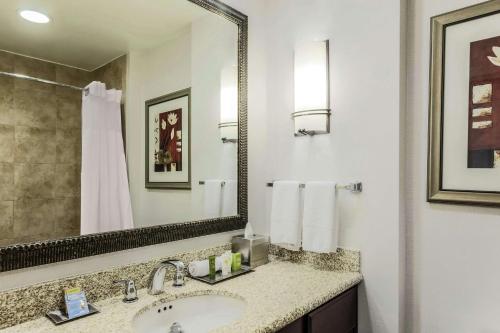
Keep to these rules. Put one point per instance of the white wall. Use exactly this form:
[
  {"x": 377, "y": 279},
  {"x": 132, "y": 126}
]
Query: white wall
[
  {"x": 150, "y": 74},
  {"x": 214, "y": 46},
  {"x": 452, "y": 251},
  {"x": 365, "y": 140},
  {"x": 194, "y": 58}
]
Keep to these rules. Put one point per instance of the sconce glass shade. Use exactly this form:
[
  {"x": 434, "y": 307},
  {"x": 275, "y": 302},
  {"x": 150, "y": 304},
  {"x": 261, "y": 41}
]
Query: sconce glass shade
[
  {"x": 228, "y": 132},
  {"x": 229, "y": 104},
  {"x": 312, "y": 89}
]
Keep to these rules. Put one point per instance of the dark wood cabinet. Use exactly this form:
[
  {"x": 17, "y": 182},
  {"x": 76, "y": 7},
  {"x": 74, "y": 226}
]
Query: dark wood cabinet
[{"x": 340, "y": 315}]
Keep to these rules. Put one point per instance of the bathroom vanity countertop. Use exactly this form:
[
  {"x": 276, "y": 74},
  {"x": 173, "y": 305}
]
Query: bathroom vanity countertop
[{"x": 276, "y": 294}]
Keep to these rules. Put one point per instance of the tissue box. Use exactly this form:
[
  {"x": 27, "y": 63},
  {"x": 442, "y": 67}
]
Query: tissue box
[{"x": 254, "y": 250}]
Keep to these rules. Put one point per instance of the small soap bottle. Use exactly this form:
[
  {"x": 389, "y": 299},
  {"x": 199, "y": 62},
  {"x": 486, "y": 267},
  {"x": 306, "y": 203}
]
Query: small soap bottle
[
  {"x": 236, "y": 262},
  {"x": 226, "y": 263},
  {"x": 211, "y": 267}
]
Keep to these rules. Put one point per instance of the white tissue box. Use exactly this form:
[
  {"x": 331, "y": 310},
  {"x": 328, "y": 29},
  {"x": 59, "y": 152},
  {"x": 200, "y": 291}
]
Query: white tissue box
[{"x": 254, "y": 250}]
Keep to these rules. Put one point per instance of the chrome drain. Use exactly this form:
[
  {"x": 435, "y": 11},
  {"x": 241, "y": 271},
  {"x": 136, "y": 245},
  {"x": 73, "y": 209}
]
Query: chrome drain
[{"x": 176, "y": 328}]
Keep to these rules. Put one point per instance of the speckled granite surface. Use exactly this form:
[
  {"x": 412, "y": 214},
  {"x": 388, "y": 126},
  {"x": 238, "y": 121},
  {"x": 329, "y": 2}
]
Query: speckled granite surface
[
  {"x": 276, "y": 294},
  {"x": 343, "y": 260},
  {"x": 20, "y": 305}
]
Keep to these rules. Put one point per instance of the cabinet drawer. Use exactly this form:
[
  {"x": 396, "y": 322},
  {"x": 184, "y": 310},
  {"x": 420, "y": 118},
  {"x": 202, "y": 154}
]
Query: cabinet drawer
[{"x": 337, "y": 316}]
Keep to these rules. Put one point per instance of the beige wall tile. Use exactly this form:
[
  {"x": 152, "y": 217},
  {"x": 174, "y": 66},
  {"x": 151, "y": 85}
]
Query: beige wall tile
[
  {"x": 35, "y": 145},
  {"x": 6, "y": 143},
  {"x": 6, "y": 62},
  {"x": 67, "y": 220},
  {"x": 33, "y": 217},
  {"x": 35, "y": 109},
  {"x": 24, "y": 84},
  {"x": 69, "y": 108},
  {"x": 113, "y": 74},
  {"x": 34, "y": 67},
  {"x": 40, "y": 150},
  {"x": 68, "y": 145},
  {"x": 67, "y": 180},
  {"x": 7, "y": 181},
  {"x": 6, "y": 219},
  {"x": 34, "y": 181},
  {"x": 7, "y": 241},
  {"x": 73, "y": 76},
  {"x": 6, "y": 100}
]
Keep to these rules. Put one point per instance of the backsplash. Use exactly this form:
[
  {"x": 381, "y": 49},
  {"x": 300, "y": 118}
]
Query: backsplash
[{"x": 343, "y": 260}]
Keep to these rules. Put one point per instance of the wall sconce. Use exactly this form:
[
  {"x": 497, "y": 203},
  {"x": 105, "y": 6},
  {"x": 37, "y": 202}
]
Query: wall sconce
[
  {"x": 228, "y": 125},
  {"x": 312, "y": 89}
]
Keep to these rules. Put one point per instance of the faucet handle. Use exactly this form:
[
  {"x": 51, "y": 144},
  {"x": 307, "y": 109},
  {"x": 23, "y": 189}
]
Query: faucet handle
[
  {"x": 179, "y": 272},
  {"x": 177, "y": 263},
  {"x": 130, "y": 290}
]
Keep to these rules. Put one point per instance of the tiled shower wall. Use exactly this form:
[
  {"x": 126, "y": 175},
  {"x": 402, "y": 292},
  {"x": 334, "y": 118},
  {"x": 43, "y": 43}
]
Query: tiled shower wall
[
  {"x": 40, "y": 140},
  {"x": 40, "y": 148}
]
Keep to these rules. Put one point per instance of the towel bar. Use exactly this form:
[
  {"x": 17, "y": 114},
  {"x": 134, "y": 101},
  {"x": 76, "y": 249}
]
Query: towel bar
[
  {"x": 356, "y": 187},
  {"x": 202, "y": 182}
]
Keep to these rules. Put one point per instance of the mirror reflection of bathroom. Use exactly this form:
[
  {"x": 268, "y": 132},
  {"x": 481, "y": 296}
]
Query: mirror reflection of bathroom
[{"x": 115, "y": 115}]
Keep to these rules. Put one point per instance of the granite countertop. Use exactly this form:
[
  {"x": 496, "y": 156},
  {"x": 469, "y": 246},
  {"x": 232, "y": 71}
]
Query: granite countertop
[{"x": 276, "y": 294}]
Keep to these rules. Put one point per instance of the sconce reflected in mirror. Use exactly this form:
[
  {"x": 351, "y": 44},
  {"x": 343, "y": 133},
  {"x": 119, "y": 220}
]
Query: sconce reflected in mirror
[
  {"x": 228, "y": 125},
  {"x": 312, "y": 89}
]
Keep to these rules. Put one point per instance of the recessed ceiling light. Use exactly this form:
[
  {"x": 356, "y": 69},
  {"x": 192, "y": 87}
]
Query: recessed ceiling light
[{"x": 34, "y": 16}]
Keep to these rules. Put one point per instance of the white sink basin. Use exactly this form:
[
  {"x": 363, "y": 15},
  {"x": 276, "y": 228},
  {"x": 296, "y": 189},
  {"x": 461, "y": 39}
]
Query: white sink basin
[{"x": 195, "y": 314}]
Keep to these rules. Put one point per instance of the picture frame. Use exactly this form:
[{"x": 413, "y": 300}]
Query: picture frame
[
  {"x": 463, "y": 97},
  {"x": 168, "y": 141}
]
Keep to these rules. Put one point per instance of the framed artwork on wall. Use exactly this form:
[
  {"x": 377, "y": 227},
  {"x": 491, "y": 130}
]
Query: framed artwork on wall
[
  {"x": 168, "y": 141},
  {"x": 464, "y": 107}
]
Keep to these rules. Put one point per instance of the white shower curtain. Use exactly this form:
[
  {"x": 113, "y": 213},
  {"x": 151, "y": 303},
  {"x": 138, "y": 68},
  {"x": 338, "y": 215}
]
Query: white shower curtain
[{"x": 105, "y": 198}]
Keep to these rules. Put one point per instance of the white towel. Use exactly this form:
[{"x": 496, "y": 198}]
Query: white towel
[
  {"x": 285, "y": 222},
  {"x": 320, "y": 224},
  {"x": 201, "y": 267},
  {"x": 230, "y": 198},
  {"x": 212, "y": 198}
]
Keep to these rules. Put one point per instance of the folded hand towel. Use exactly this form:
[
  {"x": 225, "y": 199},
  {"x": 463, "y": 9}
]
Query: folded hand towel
[
  {"x": 230, "y": 198},
  {"x": 212, "y": 198},
  {"x": 201, "y": 268},
  {"x": 285, "y": 222},
  {"x": 319, "y": 224}
]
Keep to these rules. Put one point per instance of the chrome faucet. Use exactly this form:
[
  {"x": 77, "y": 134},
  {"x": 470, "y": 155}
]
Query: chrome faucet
[{"x": 157, "y": 276}]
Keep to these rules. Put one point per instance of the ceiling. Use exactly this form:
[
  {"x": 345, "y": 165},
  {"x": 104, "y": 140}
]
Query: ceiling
[{"x": 88, "y": 34}]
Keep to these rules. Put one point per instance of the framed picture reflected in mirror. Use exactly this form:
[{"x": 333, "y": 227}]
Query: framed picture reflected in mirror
[{"x": 168, "y": 141}]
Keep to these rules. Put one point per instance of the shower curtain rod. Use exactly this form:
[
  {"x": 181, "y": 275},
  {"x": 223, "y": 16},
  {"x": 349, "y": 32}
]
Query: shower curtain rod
[{"x": 22, "y": 76}]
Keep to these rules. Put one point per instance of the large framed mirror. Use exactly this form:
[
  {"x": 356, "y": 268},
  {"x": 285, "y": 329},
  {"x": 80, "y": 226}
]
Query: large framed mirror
[{"x": 122, "y": 124}]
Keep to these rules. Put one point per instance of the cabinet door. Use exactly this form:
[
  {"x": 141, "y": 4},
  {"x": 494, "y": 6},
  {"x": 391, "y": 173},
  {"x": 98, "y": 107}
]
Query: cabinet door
[
  {"x": 340, "y": 315},
  {"x": 298, "y": 326}
]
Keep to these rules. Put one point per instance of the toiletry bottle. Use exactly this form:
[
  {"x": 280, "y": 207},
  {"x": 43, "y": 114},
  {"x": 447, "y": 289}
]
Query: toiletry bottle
[
  {"x": 236, "y": 262},
  {"x": 226, "y": 263},
  {"x": 211, "y": 267}
]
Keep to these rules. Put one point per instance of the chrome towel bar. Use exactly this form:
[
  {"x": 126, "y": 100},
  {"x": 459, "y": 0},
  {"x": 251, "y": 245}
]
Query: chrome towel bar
[
  {"x": 202, "y": 182},
  {"x": 355, "y": 187}
]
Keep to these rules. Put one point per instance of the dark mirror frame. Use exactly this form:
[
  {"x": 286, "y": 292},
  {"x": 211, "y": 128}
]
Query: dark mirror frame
[{"x": 50, "y": 251}]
